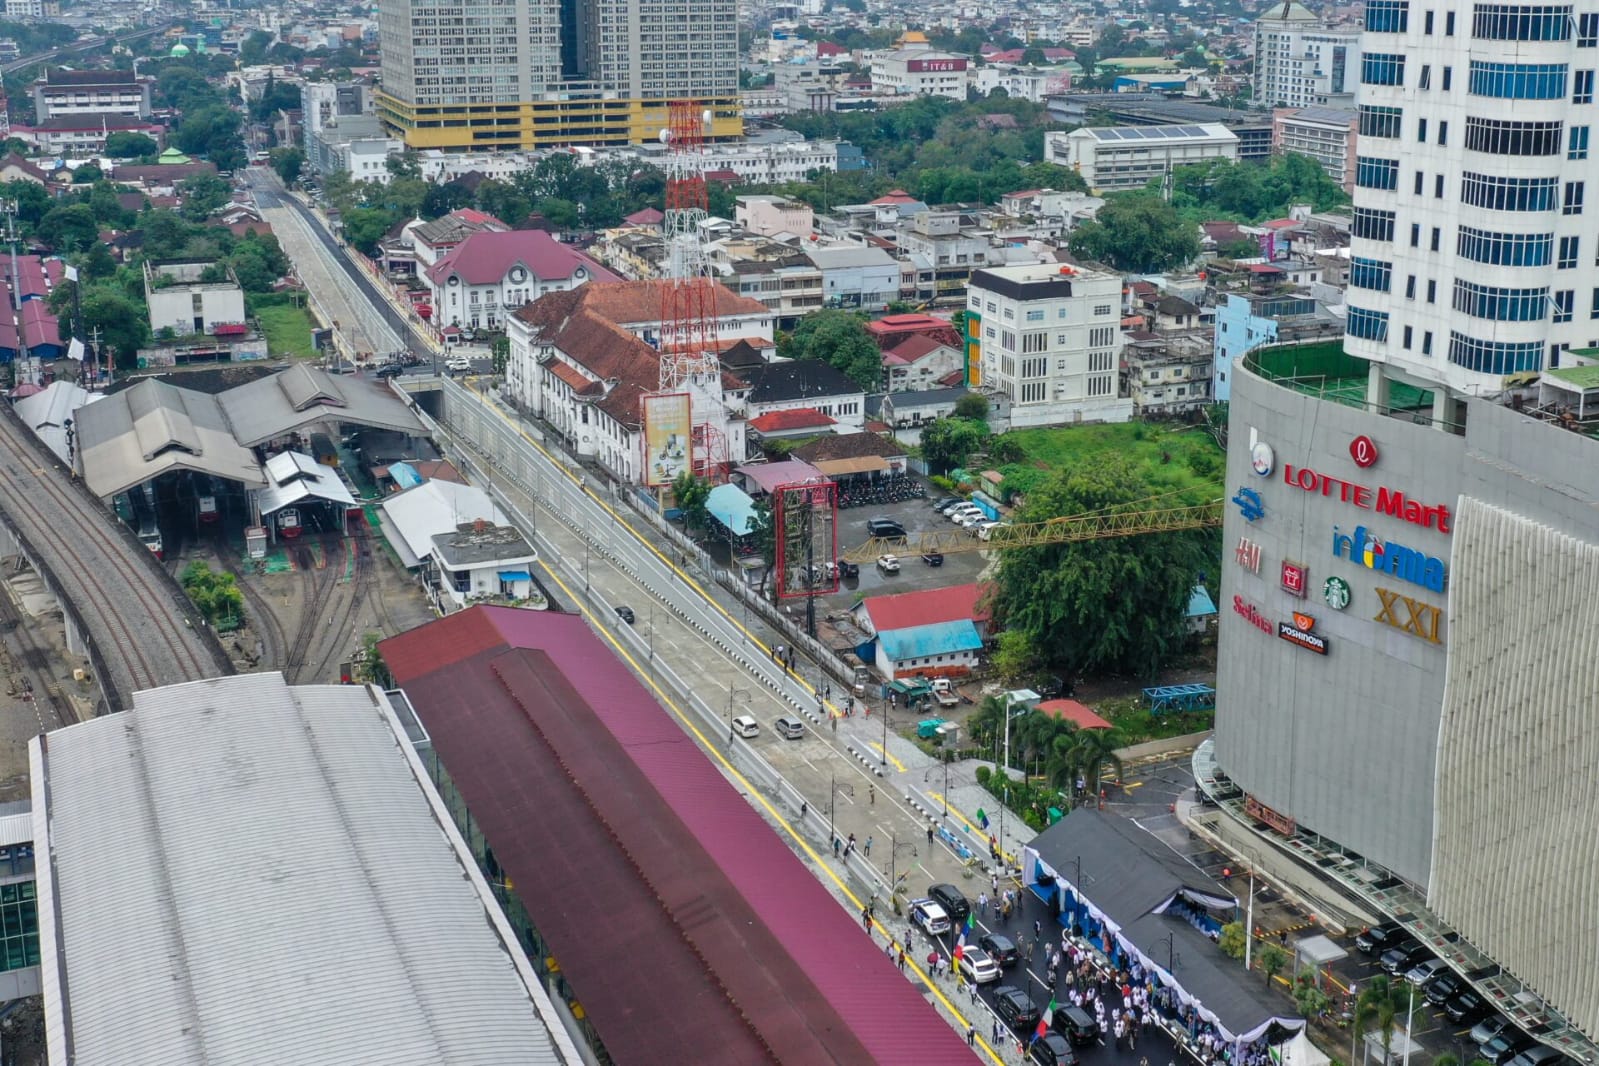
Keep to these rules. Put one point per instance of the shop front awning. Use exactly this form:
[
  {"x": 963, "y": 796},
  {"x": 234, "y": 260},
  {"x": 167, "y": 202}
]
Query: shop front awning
[{"x": 860, "y": 464}]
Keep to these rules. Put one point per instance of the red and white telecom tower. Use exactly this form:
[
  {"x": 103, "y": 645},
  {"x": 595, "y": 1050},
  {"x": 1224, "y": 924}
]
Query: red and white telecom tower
[{"x": 688, "y": 343}]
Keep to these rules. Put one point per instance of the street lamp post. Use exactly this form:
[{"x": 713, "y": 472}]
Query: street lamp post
[
  {"x": 1249, "y": 914},
  {"x": 1004, "y": 769},
  {"x": 731, "y": 692},
  {"x": 1172, "y": 958},
  {"x": 893, "y": 862},
  {"x": 846, "y": 788}
]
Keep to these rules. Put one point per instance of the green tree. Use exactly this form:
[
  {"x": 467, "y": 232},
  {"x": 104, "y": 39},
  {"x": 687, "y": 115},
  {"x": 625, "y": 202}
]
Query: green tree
[
  {"x": 288, "y": 162},
  {"x": 1312, "y": 1001},
  {"x": 123, "y": 323},
  {"x": 1117, "y": 604},
  {"x": 126, "y": 144},
  {"x": 97, "y": 264},
  {"x": 202, "y": 195},
  {"x": 1381, "y": 1004},
  {"x": 500, "y": 350},
  {"x": 1272, "y": 960},
  {"x": 69, "y": 228},
  {"x": 1013, "y": 657},
  {"x": 973, "y": 405},
  {"x": 948, "y": 442},
  {"x": 1231, "y": 940},
  {"x": 1090, "y": 752},
  {"x": 840, "y": 339},
  {"x": 1136, "y": 232},
  {"x": 216, "y": 594},
  {"x": 364, "y": 227},
  {"x": 87, "y": 174},
  {"x": 1006, "y": 449},
  {"x": 691, "y": 492},
  {"x": 212, "y": 131},
  {"x": 32, "y": 200}
]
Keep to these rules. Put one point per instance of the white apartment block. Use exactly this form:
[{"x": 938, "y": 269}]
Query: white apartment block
[
  {"x": 771, "y": 215},
  {"x": 1325, "y": 134},
  {"x": 72, "y": 93},
  {"x": 1049, "y": 341},
  {"x": 1300, "y": 62},
  {"x": 1111, "y": 158},
  {"x": 1473, "y": 250},
  {"x": 920, "y": 72},
  {"x": 1021, "y": 83},
  {"x": 439, "y": 52}
]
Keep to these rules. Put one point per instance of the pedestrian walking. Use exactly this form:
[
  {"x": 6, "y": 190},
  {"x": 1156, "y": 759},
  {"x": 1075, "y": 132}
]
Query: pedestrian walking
[
  {"x": 835, "y": 846},
  {"x": 998, "y": 1031},
  {"x": 871, "y": 795},
  {"x": 866, "y": 919},
  {"x": 929, "y": 834},
  {"x": 971, "y": 1035},
  {"x": 805, "y": 808},
  {"x": 868, "y": 848},
  {"x": 849, "y": 846},
  {"x": 1038, "y": 929},
  {"x": 982, "y": 901}
]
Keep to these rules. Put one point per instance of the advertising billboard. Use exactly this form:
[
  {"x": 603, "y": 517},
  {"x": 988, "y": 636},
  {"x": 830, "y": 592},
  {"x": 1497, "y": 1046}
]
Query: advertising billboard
[
  {"x": 668, "y": 437},
  {"x": 929, "y": 66}
]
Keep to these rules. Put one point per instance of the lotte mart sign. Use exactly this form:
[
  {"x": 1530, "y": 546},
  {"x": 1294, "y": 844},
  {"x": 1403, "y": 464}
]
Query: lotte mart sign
[{"x": 1383, "y": 500}]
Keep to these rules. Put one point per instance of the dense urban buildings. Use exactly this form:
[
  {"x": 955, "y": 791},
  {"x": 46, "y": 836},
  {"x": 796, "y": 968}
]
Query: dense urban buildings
[
  {"x": 1410, "y": 542},
  {"x": 1300, "y": 60},
  {"x": 1117, "y": 158},
  {"x": 534, "y": 73}
]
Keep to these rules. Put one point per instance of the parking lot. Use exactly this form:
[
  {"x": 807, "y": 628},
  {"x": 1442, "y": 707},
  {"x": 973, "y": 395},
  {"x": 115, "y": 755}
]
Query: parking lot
[{"x": 958, "y": 568}]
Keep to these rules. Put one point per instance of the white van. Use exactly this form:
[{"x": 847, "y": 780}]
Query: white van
[{"x": 746, "y": 727}]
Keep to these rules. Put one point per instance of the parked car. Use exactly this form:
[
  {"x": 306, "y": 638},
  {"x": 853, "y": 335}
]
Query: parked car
[
  {"x": 1076, "y": 1025},
  {"x": 888, "y": 564},
  {"x": 933, "y": 558},
  {"x": 1403, "y": 959},
  {"x": 1424, "y": 972},
  {"x": 956, "y": 905},
  {"x": 972, "y": 521},
  {"x": 1491, "y": 1026},
  {"x": 1506, "y": 1046},
  {"x": 948, "y": 507},
  {"x": 930, "y": 916},
  {"x": 884, "y": 527},
  {"x": 746, "y": 727},
  {"x": 1015, "y": 1008},
  {"x": 625, "y": 613},
  {"x": 1379, "y": 938},
  {"x": 1467, "y": 1008},
  {"x": 1444, "y": 987},
  {"x": 999, "y": 948},
  {"x": 1539, "y": 1055},
  {"x": 960, "y": 514},
  {"x": 789, "y": 727},
  {"x": 946, "y": 501},
  {"x": 1051, "y": 1049},
  {"x": 848, "y": 569},
  {"x": 978, "y": 967}
]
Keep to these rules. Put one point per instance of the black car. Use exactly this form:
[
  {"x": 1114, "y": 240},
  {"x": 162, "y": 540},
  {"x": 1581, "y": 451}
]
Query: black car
[
  {"x": 1403, "y": 958},
  {"x": 625, "y": 613},
  {"x": 1051, "y": 1050},
  {"x": 848, "y": 569},
  {"x": 884, "y": 527},
  {"x": 1467, "y": 1008},
  {"x": 1379, "y": 938},
  {"x": 1000, "y": 949},
  {"x": 1506, "y": 1046},
  {"x": 1443, "y": 988},
  {"x": 957, "y": 906},
  {"x": 1015, "y": 1008},
  {"x": 389, "y": 370},
  {"x": 1076, "y": 1025},
  {"x": 933, "y": 558}
]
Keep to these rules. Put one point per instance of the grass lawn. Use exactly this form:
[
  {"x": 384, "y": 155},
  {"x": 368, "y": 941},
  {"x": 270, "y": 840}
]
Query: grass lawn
[
  {"x": 1194, "y": 466},
  {"x": 288, "y": 331}
]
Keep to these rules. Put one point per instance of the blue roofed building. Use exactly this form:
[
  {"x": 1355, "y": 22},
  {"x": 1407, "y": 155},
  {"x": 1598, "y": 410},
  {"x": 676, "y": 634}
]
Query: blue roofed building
[
  {"x": 1201, "y": 610},
  {"x": 938, "y": 649}
]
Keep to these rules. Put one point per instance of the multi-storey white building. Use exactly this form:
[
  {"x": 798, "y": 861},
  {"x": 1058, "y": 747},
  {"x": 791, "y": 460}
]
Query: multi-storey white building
[
  {"x": 1129, "y": 157},
  {"x": 1048, "y": 338},
  {"x": 74, "y": 93},
  {"x": 1473, "y": 252},
  {"x": 1300, "y": 62},
  {"x": 1325, "y": 134},
  {"x": 920, "y": 72}
]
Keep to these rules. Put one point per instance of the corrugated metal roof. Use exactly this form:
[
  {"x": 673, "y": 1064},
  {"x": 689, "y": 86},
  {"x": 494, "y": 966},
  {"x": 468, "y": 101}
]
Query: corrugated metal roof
[
  {"x": 302, "y": 395},
  {"x": 906, "y": 609},
  {"x": 751, "y": 938},
  {"x": 939, "y": 638},
  {"x": 244, "y": 872},
  {"x": 131, "y": 436},
  {"x": 419, "y": 514},
  {"x": 293, "y": 476}
]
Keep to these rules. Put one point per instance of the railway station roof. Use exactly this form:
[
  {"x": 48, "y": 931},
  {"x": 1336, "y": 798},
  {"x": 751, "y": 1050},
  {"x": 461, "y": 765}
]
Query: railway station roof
[
  {"x": 302, "y": 395},
  {"x": 575, "y": 775},
  {"x": 240, "y": 870},
  {"x": 131, "y": 436},
  {"x": 295, "y": 476}
]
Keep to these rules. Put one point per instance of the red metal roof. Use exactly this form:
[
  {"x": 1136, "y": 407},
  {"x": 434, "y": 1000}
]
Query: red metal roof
[
  {"x": 485, "y": 257},
  {"x": 802, "y": 418},
  {"x": 677, "y": 915},
  {"x": 1073, "y": 711},
  {"x": 927, "y": 607}
]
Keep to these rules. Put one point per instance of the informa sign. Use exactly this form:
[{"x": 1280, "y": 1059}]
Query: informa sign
[{"x": 668, "y": 437}]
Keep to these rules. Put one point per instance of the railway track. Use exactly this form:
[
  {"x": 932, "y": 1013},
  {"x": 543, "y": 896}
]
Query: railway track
[
  {"x": 339, "y": 634},
  {"x": 27, "y": 668},
  {"x": 321, "y": 583},
  {"x": 142, "y": 629},
  {"x": 264, "y": 620}
]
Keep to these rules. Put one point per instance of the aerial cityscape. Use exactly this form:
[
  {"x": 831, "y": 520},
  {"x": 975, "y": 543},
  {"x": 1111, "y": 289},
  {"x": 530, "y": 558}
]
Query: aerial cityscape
[{"x": 834, "y": 531}]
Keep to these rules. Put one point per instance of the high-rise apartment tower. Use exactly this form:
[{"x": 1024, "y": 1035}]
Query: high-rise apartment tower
[
  {"x": 1474, "y": 247},
  {"x": 513, "y": 74}
]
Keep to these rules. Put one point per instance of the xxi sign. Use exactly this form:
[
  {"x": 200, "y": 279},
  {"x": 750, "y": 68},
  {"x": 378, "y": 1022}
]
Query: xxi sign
[{"x": 1408, "y": 615}]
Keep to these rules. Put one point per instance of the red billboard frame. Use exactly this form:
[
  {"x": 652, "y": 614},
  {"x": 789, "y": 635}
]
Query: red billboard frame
[{"x": 815, "y": 498}]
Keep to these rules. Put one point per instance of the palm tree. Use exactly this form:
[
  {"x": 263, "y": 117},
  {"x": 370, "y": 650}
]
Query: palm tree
[
  {"x": 1094, "y": 748},
  {"x": 1381, "y": 1004}
]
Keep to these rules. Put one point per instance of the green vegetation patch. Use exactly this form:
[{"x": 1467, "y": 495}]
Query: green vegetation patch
[
  {"x": 1183, "y": 461},
  {"x": 288, "y": 331}
]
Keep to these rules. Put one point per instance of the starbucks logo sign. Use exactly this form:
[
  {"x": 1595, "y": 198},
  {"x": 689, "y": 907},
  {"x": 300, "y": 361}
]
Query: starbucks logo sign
[{"x": 1336, "y": 592}]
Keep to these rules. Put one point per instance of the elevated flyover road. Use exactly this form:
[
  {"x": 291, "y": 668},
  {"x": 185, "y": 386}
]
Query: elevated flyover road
[{"x": 141, "y": 629}]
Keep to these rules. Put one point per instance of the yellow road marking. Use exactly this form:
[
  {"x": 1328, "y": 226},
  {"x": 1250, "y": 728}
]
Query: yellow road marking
[
  {"x": 889, "y": 755},
  {"x": 753, "y": 793}
]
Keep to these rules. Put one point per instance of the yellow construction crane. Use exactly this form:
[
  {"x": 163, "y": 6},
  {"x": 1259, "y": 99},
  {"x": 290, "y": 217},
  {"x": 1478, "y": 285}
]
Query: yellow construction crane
[{"x": 1032, "y": 534}]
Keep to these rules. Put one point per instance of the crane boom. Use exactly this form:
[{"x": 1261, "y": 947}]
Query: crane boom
[{"x": 1054, "y": 531}]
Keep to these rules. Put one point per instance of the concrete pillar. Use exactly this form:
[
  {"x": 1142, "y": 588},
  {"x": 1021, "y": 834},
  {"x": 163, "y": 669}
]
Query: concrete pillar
[
  {"x": 1376, "y": 389},
  {"x": 8, "y": 541},
  {"x": 1442, "y": 408},
  {"x": 76, "y": 645}
]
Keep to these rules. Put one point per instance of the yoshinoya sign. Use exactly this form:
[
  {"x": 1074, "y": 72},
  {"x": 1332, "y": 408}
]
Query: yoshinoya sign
[
  {"x": 1383, "y": 500},
  {"x": 1299, "y": 632},
  {"x": 1407, "y": 564}
]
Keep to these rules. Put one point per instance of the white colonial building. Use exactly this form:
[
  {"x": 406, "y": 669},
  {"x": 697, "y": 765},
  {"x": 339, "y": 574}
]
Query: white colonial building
[
  {"x": 491, "y": 273},
  {"x": 1049, "y": 339}
]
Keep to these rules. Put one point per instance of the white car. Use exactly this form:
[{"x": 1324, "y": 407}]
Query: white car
[
  {"x": 986, "y": 529},
  {"x": 972, "y": 521},
  {"x": 960, "y": 514},
  {"x": 746, "y": 727},
  {"x": 888, "y": 564},
  {"x": 978, "y": 967},
  {"x": 930, "y": 916},
  {"x": 458, "y": 362}
]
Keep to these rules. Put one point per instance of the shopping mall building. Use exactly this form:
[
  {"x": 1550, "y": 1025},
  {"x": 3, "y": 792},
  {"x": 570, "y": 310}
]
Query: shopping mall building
[{"x": 1409, "y": 660}]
